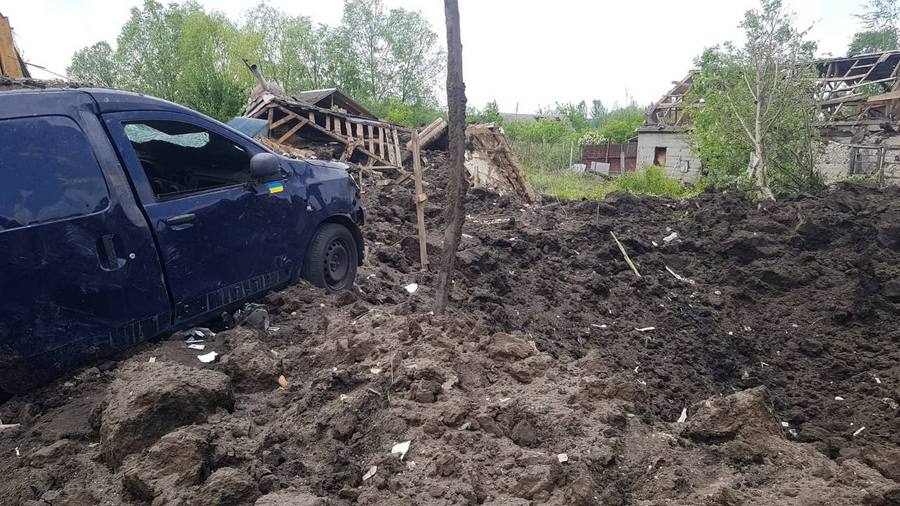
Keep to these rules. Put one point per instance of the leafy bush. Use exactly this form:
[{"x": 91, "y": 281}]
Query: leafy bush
[
  {"x": 652, "y": 180},
  {"x": 621, "y": 126},
  {"x": 406, "y": 115},
  {"x": 592, "y": 137},
  {"x": 542, "y": 131}
]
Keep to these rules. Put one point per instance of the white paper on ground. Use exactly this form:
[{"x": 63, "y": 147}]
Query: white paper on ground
[
  {"x": 401, "y": 448},
  {"x": 209, "y": 357}
]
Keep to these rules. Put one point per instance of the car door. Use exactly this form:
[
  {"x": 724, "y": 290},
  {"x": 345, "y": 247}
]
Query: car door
[
  {"x": 79, "y": 275},
  {"x": 223, "y": 237}
]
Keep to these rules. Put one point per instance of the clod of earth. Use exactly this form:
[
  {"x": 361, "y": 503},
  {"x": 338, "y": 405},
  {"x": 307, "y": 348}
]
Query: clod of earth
[{"x": 148, "y": 401}]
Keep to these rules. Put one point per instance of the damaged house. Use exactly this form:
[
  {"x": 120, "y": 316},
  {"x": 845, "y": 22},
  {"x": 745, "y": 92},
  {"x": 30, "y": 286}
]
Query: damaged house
[
  {"x": 858, "y": 101},
  {"x": 329, "y": 125},
  {"x": 664, "y": 139}
]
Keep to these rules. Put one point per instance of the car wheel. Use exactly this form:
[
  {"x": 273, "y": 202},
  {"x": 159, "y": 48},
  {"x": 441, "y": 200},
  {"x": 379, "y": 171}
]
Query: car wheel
[{"x": 332, "y": 258}]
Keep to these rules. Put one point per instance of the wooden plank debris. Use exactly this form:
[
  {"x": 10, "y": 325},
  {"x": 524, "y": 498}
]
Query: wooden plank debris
[{"x": 421, "y": 198}]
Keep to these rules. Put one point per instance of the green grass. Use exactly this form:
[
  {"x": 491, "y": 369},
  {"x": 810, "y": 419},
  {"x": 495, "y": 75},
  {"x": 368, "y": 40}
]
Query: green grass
[
  {"x": 546, "y": 169},
  {"x": 567, "y": 185}
]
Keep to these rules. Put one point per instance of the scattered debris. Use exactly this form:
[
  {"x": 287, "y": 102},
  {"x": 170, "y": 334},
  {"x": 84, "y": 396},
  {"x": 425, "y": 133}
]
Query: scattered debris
[
  {"x": 671, "y": 237},
  {"x": 683, "y": 417},
  {"x": 858, "y": 431},
  {"x": 492, "y": 164},
  {"x": 401, "y": 448},
  {"x": 680, "y": 277},
  {"x": 207, "y": 358},
  {"x": 838, "y": 398},
  {"x": 625, "y": 254},
  {"x": 198, "y": 334},
  {"x": 645, "y": 329},
  {"x": 199, "y": 347},
  {"x": 562, "y": 458},
  {"x": 411, "y": 288},
  {"x": 370, "y": 473},
  {"x": 282, "y": 381}
]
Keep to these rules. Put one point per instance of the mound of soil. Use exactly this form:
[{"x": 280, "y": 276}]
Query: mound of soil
[{"x": 755, "y": 360}]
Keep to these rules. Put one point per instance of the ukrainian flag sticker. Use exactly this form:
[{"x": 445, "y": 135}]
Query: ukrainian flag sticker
[{"x": 275, "y": 187}]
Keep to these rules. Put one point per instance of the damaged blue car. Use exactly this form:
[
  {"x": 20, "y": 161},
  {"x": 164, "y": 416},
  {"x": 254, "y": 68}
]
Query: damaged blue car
[{"x": 124, "y": 217}]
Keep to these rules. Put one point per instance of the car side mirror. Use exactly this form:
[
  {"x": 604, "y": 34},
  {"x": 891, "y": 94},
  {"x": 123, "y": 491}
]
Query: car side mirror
[{"x": 264, "y": 166}]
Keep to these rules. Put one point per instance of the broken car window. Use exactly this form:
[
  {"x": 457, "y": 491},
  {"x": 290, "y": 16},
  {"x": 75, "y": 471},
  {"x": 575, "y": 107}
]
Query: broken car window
[
  {"x": 49, "y": 173},
  {"x": 182, "y": 159}
]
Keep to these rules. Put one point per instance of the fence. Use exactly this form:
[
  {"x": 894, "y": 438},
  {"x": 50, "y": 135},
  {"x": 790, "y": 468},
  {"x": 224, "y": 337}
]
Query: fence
[
  {"x": 546, "y": 155},
  {"x": 618, "y": 156},
  {"x": 881, "y": 162}
]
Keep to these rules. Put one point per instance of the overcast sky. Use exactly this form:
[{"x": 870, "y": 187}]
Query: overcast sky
[{"x": 522, "y": 53}]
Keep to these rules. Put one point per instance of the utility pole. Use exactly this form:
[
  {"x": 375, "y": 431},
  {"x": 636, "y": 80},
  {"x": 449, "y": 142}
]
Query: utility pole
[{"x": 458, "y": 185}]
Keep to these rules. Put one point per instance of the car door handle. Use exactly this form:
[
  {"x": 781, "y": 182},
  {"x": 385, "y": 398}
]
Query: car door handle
[
  {"x": 106, "y": 253},
  {"x": 181, "y": 219}
]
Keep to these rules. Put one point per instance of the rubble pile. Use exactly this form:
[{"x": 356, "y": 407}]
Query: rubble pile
[{"x": 755, "y": 360}]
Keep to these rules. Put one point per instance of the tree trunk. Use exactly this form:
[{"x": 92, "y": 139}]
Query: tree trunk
[
  {"x": 758, "y": 158},
  {"x": 455, "y": 213}
]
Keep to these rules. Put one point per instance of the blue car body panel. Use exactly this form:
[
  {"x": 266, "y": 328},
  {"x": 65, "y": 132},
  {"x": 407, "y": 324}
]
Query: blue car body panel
[{"x": 91, "y": 263}]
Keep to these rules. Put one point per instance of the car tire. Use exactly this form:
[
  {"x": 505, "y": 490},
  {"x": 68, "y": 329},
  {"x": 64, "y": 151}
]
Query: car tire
[{"x": 332, "y": 258}]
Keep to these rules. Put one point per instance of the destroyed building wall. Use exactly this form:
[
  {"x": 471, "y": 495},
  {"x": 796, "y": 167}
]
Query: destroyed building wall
[
  {"x": 875, "y": 158},
  {"x": 671, "y": 150},
  {"x": 833, "y": 160}
]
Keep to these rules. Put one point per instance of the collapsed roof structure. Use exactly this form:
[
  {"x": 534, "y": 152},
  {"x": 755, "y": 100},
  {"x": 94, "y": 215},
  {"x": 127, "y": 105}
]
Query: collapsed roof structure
[
  {"x": 669, "y": 112},
  {"x": 859, "y": 91}
]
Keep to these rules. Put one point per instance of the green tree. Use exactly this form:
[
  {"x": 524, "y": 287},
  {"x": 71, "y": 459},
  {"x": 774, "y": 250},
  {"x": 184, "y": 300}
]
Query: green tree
[
  {"x": 283, "y": 46},
  {"x": 757, "y": 101},
  {"x": 388, "y": 61},
  {"x": 416, "y": 58},
  {"x": 212, "y": 78},
  {"x": 96, "y": 65},
  {"x": 598, "y": 113},
  {"x": 490, "y": 113},
  {"x": 880, "y": 19},
  {"x": 147, "y": 50}
]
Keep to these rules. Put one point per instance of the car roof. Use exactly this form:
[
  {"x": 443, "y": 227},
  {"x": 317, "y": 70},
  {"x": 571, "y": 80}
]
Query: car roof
[
  {"x": 107, "y": 100},
  {"x": 118, "y": 100}
]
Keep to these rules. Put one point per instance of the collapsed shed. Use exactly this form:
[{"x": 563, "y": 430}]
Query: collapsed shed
[{"x": 664, "y": 139}]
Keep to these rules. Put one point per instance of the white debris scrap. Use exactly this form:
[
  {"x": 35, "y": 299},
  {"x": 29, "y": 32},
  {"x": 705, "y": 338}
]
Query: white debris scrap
[
  {"x": 401, "y": 448},
  {"x": 683, "y": 417},
  {"x": 209, "y": 357},
  {"x": 679, "y": 277},
  {"x": 152, "y": 360},
  {"x": 838, "y": 398},
  {"x": 412, "y": 287},
  {"x": 376, "y": 370},
  {"x": 370, "y": 473},
  {"x": 671, "y": 237},
  {"x": 858, "y": 431},
  {"x": 199, "y": 347},
  {"x": 562, "y": 458},
  {"x": 645, "y": 329}
]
